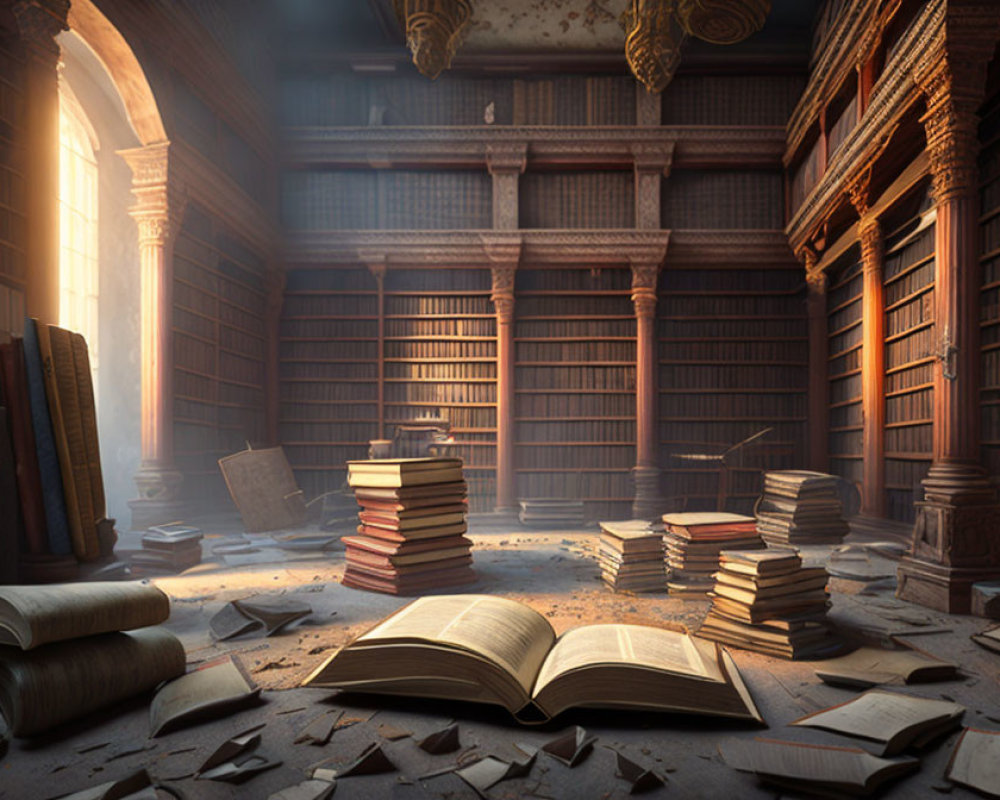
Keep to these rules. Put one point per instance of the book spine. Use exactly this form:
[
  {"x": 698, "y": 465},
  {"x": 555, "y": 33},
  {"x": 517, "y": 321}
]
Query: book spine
[{"x": 88, "y": 419}]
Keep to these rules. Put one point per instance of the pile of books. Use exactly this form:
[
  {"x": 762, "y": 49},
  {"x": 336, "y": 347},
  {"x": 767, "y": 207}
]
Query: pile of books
[
  {"x": 768, "y": 602},
  {"x": 693, "y": 543},
  {"x": 410, "y": 539},
  {"x": 167, "y": 549},
  {"x": 551, "y": 512},
  {"x": 801, "y": 507},
  {"x": 631, "y": 556}
]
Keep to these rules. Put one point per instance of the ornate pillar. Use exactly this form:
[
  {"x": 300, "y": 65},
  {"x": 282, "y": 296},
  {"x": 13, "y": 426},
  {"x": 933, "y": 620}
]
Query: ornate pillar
[
  {"x": 652, "y": 164},
  {"x": 818, "y": 386},
  {"x": 872, "y": 369},
  {"x": 504, "y": 253},
  {"x": 506, "y": 162},
  {"x": 157, "y": 211},
  {"x": 275, "y": 286},
  {"x": 646, "y": 473},
  {"x": 955, "y": 541},
  {"x": 40, "y": 21},
  {"x": 648, "y": 108}
]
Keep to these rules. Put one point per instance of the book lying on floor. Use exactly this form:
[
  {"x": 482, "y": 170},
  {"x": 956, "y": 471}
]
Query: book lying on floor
[
  {"x": 34, "y": 615},
  {"x": 870, "y": 666},
  {"x": 494, "y": 650}
]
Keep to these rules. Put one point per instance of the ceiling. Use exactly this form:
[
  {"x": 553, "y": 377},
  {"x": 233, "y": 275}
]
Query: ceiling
[{"x": 531, "y": 28}]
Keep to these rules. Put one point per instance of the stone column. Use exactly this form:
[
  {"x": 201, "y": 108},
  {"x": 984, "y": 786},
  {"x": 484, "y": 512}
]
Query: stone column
[
  {"x": 818, "y": 396},
  {"x": 652, "y": 164},
  {"x": 646, "y": 473},
  {"x": 504, "y": 254},
  {"x": 648, "y": 108},
  {"x": 157, "y": 211},
  {"x": 275, "y": 287},
  {"x": 506, "y": 162},
  {"x": 955, "y": 541},
  {"x": 873, "y": 369},
  {"x": 39, "y": 22}
]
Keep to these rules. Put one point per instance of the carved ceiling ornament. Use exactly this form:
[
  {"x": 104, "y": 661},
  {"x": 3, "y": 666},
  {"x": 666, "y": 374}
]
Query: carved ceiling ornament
[
  {"x": 433, "y": 31},
  {"x": 653, "y": 42},
  {"x": 722, "y": 21},
  {"x": 40, "y": 21}
]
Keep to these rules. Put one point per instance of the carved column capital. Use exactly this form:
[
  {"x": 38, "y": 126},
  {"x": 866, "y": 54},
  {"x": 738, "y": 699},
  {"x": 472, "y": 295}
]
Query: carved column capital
[
  {"x": 39, "y": 22},
  {"x": 859, "y": 192},
  {"x": 433, "y": 31},
  {"x": 872, "y": 244},
  {"x": 656, "y": 158},
  {"x": 160, "y": 201},
  {"x": 644, "y": 279},
  {"x": 504, "y": 253},
  {"x": 375, "y": 262},
  {"x": 507, "y": 157}
]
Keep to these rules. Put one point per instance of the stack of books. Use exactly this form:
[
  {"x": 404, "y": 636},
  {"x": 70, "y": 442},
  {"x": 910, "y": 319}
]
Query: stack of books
[
  {"x": 167, "y": 549},
  {"x": 410, "y": 539},
  {"x": 801, "y": 507},
  {"x": 693, "y": 543},
  {"x": 768, "y": 602},
  {"x": 631, "y": 556},
  {"x": 551, "y": 512}
]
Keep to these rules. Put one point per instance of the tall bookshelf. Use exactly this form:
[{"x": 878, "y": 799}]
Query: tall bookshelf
[
  {"x": 219, "y": 351},
  {"x": 732, "y": 361},
  {"x": 908, "y": 276},
  {"x": 844, "y": 351},
  {"x": 574, "y": 378},
  {"x": 439, "y": 354},
  {"x": 989, "y": 197},
  {"x": 13, "y": 268}
]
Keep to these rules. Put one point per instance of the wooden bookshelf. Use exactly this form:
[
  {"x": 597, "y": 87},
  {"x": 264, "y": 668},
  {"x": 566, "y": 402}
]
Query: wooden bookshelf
[
  {"x": 989, "y": 196},
  {"x": 219, "y": 350},
  {"x": 575, "y": 387},
  {"x": 844, "y": 350},
  {"x": 908, "y": 277},
  {"x": 732, "y": 361},
  {"x": 13, "y": 266}
]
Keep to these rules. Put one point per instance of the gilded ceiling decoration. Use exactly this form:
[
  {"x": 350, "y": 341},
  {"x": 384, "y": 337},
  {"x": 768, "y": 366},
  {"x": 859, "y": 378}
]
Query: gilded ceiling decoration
[
  {"x": 722, "y": 21},
  {"x": 433, "y": 30}
]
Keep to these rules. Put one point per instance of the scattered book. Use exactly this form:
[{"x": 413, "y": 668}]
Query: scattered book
[
  {"x": 551, "y": 512},
  {"x": 261, "y": 615},
  {"x": 693, "y": 543},
  {"x": 801, "y": 507},
  {"x": 814, "y": 769},
  {"x": 264, "y": 490},
  {"x": 494, "y": 650},
  {"x": 990, "y": 639},
  {"x": 214, "y": 690},
  {"x": 630, "y": 555},
  {"x": 410, "y": 539},
  {"x": 892, "y": 721},
  {"x": 871, "y": 666},
  {"x": 974, "y": 761},
  {"x": 765, "y": 600},
  {"x": 167, "y": 550}
]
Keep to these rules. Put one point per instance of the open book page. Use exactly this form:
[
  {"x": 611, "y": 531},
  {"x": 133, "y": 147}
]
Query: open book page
[
  {"x": 33, "y": 615},
  {"x": 635, "y": 645},
  {"x": 510, "y": 634}
]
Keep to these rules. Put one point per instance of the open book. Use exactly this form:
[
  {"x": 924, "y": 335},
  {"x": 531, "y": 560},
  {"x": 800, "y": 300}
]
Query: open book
[{"x": 493, "y": 650}]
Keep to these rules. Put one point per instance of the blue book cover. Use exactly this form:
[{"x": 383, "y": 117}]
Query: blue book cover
[{"x": 48, "y": 457}]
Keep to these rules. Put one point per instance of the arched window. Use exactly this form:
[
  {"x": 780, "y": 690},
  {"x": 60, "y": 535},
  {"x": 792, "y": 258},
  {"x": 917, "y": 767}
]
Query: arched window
[{"x": 78, "y": 234}]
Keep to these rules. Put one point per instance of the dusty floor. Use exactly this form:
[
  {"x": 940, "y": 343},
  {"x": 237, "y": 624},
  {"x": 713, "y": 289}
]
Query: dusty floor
[{"x": 556, "y": 573}]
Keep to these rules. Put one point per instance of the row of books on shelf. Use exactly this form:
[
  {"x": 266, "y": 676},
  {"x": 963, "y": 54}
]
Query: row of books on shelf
[
  {"x": 483, "y": 370},
  {"x": 332, "y": 391},
  {"x": 756, "y": 406},
  {"x": 577, "y": 329},
  {"x": 776, "y": 279},
  {"x": 443, "y": 393},
  {"x": 330, "y": 329},
  {"x": 566, "y": 404},
  {"x": 441, "y": 327},
  {"x": 707, "y": 305},
  {"x": 590, "y": 485},
  {"x": 917, "y": 437},
  {"x": 207, "y": 359},
  {"x": 909, "y": 283},
  {"x": 575, "y": 351},
  {"x": 304, "y": 350},
  {"x": 918, "y": 404},
  {"x": 902, "y": 319},
  {"x": 560, "y": 377},
  {"x": 394, "y": 349},
  {"x": 557, "y": 305},
  {"x": 605, "y": 279},
  {"x": 307, "y": 370},
  {"x": 919, "y": 375},
  {"x": 732, "y": 376},
  {"x": 430, "y": 305},
  {"x": 709, "y": 326},
  {"x": 51, "y": 485},
  {"x": 591, "y": 456},
  {"x": 557, "y": 430}
]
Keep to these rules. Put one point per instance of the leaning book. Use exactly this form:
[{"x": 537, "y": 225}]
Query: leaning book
[{"x": 493, "y": 650}]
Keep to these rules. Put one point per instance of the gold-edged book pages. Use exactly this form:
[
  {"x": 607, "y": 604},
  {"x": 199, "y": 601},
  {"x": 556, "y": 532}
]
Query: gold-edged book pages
[
  {"x": 31, "y": 616},
  {"x": 495, "y": 650},
  {"x": 263, "y": 487}
]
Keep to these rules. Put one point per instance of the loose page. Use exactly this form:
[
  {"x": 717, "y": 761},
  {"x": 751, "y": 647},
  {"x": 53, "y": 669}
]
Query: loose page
[
  {"x": 975, "y": 761},
  {"x": 34, "y": 615},
  {"x": 508, "y": 633},
  {"x": 635, "y": 645}
]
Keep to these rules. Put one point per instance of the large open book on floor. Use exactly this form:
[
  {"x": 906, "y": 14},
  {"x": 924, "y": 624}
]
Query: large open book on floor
[{"x": 493, "y": 650}]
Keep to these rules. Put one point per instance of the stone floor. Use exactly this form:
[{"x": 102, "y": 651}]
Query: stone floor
[{"x": 553, "y": 571}]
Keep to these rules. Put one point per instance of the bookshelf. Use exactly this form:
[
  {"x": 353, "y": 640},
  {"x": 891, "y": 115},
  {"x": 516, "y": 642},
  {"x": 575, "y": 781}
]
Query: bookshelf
[
  {"x": 908, "y": 277},
  {"x": 577, "y": 199},
  {"x": 219, "y": 351},
  {"x": 732, "y": 361},
  {"x": 13, "y": 267},
  {"x": 439, "y": 355},
  {"x": 844, "y": 352},
  {"x": 989, "y": 196},
  {"x": 574, "y": 378}
]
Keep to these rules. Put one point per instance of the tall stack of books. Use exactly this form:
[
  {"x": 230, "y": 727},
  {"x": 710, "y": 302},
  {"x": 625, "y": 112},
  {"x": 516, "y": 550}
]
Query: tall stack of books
[
  {"x": 693, "y": 543},
  {"x": 801, "y": 507},
  {"x": 767, "y": 601},
  {"x": 410, "y": 539},
  {"x": 631, "y": 556},
  {"x": 167, "y": 549}
]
